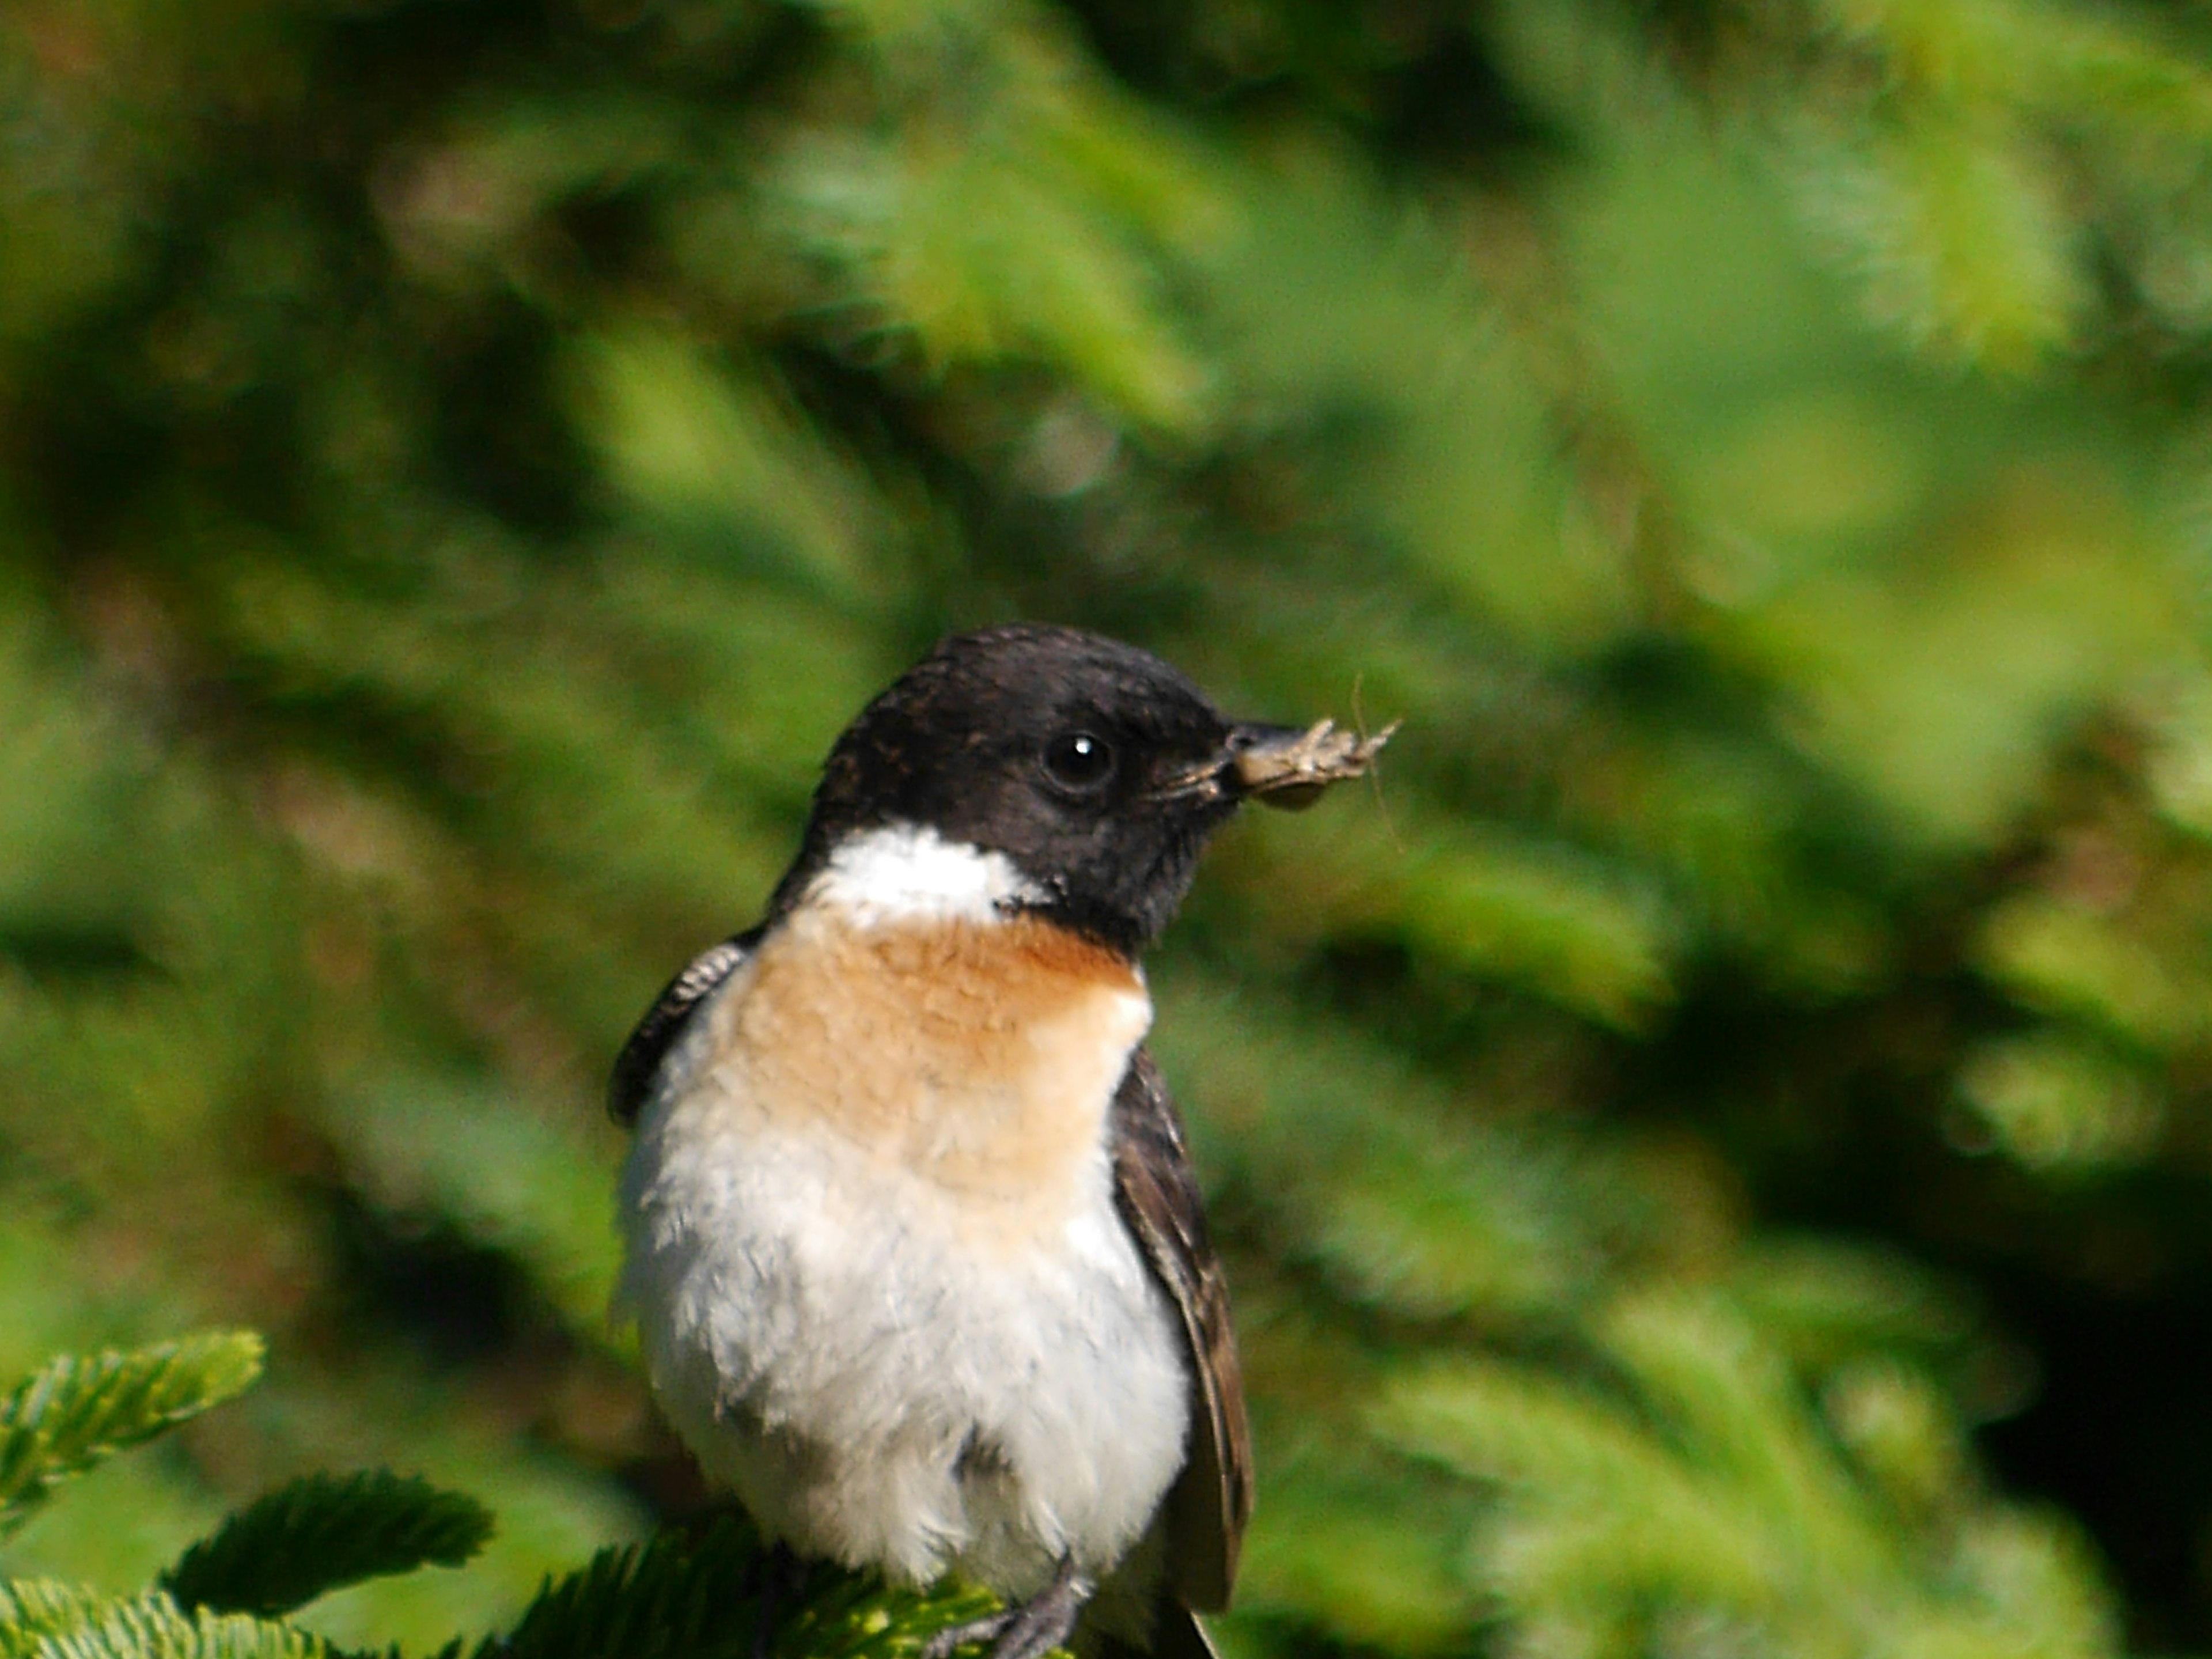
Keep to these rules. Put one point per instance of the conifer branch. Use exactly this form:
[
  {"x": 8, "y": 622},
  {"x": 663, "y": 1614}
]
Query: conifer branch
[
  {"x": 40, "y": 1619},
  {"x": 32, "y": 1609},
  {"x": 79, "y": 1409},
  {"x": 682, "y": 1597},
  {"x": 323, "y": 1531},
  {"x": 153, "y": 1626}
]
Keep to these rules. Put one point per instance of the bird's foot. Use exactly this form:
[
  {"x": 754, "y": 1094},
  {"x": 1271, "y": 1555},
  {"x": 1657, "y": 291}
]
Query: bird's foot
[{"x": 1028, "y": 1631}]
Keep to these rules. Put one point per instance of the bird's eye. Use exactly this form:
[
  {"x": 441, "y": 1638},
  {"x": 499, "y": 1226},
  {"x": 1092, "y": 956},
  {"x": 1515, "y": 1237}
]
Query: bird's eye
[{"x": 1080, "y": 763}]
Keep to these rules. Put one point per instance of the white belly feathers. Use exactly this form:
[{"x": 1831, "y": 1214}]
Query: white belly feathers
[{"x": 878, "y": 1275}]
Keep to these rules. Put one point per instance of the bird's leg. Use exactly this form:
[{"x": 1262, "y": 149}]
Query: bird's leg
[
  {"x": 1028, "y": 1631},
  {"x": 778, "y": 1573}
]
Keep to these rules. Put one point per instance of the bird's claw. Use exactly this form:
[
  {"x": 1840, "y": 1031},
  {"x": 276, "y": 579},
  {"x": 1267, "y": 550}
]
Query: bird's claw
[{"x": 1029, "y": 1630}]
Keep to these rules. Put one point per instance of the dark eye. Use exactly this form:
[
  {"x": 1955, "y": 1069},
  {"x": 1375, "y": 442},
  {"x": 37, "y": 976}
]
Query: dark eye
[{"x": 1080, "y": 762}]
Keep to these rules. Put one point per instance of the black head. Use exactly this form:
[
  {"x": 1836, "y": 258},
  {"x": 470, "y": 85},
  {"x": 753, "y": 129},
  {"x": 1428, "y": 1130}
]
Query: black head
[{"x": 1098, "y": 769}]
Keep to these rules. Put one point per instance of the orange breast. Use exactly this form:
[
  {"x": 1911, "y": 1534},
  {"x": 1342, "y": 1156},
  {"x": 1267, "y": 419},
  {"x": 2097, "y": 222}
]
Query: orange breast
[{"x": 980, "y": 1055}]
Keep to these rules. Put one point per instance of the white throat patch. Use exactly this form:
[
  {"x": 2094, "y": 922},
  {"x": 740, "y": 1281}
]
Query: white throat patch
[{"x": 908, "y": 872}]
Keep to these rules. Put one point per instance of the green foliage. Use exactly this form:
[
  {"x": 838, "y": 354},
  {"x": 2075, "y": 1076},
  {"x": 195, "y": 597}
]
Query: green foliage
[
  {"x": 32, "y": 1609},
  {"x": 1705, "y": 1502},
  {"x": 671, "y": 1596},
  {"x": 81, "y": 1409},
  {"x": 152, "y": 1626},
  {"x": 1000, "y": 206},
  {"x": 321, "y": 1531},
  {"x": 1976, "y": 159},
  {"x": 690, "y": 1595},
  {"x": 679, "y": 1595}
]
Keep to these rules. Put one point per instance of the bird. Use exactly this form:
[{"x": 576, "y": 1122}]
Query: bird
[{"x": 913, "y": 1241}]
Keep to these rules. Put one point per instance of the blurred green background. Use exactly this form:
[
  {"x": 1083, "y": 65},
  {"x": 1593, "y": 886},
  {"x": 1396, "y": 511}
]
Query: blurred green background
[{"x": 1713, "y": 1152}]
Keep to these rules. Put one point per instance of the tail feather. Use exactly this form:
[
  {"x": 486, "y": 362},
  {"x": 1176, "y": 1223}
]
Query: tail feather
[{"x": 1175, "y": 1634}]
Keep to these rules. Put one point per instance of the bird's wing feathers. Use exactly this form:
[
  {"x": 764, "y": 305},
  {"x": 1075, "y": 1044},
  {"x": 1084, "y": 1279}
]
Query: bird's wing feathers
[
  {"x": 1158, "y": 1195},
  {"x": 649, "y": 1045}
]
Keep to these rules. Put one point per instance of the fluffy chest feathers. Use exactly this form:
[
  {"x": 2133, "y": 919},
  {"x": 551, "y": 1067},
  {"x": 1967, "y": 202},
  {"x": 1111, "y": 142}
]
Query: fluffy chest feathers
[
  {"x": 874, "y": 1256},
  {"x": 978, "y": 1055}
]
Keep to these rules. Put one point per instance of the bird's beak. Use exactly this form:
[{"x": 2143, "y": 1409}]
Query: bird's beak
[{"x": 1282, "y": 766}]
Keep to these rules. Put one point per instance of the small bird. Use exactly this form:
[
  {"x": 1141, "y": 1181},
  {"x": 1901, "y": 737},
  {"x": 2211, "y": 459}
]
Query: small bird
[{"x": 915, "y": 1250}]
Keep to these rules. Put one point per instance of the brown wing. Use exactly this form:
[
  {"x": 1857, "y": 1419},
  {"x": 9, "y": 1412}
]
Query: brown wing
[
  {"x": 1211, "y": 1499},
  {"x": 649, "y": 1045}
]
